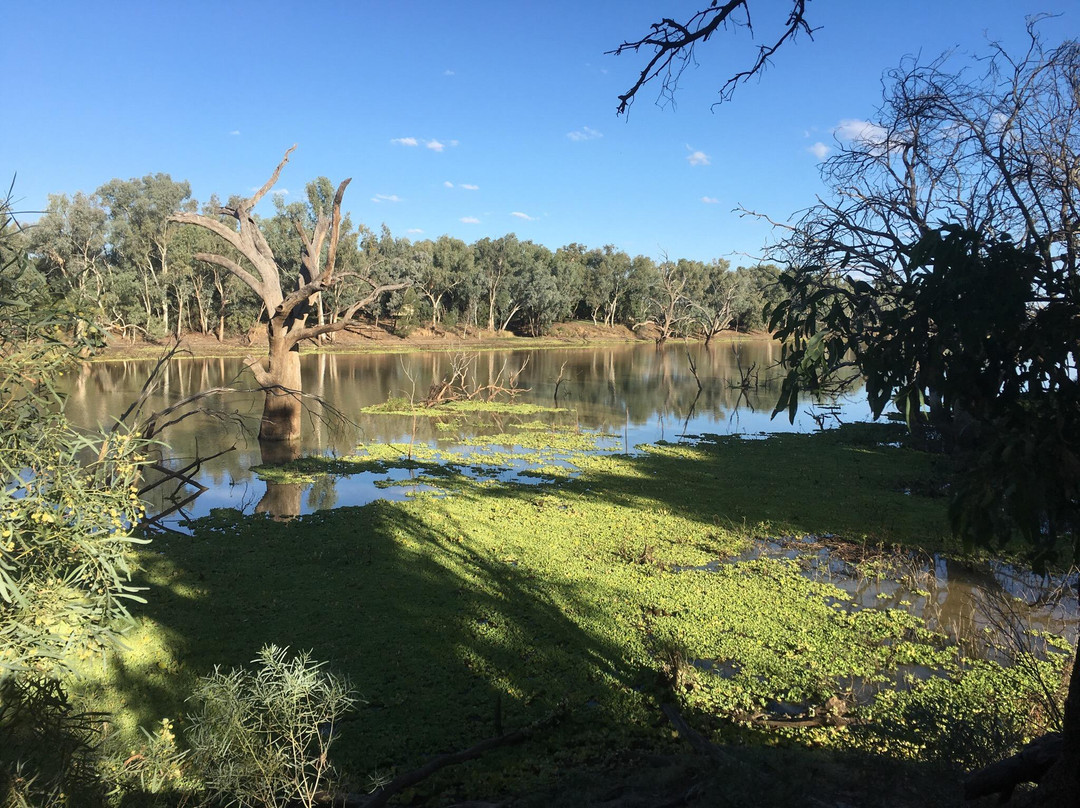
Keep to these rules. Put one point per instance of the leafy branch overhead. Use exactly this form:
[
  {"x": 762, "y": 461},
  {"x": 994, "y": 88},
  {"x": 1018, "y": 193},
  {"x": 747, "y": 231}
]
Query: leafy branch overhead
[{"x": 673, "y": 44}]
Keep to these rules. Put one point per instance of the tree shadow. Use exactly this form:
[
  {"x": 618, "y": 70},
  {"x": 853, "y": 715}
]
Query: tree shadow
[
  {"x": 450, "y": 637},
  {"x": 445, "y": 643}
]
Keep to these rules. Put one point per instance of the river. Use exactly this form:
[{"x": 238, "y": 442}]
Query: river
[{"x": 638, "y": 392}]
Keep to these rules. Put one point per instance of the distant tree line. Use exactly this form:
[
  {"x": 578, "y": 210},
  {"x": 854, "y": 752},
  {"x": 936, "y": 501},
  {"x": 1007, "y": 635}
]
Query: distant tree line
[{"x": 114, "y": 252}]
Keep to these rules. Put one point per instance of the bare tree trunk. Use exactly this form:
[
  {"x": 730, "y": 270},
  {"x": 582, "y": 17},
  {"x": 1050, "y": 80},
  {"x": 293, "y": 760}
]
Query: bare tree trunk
[
  {"x": 282, "y": 410},
  {"x": 278, "y": 373}
]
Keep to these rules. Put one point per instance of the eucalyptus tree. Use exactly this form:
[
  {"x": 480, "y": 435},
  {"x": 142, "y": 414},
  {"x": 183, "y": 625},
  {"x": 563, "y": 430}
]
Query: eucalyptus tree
[
  {"x": 534, "y": 296},
  {"x": 451, "y": 264},
  {"x": 139, "y": 237},
  {"x": 668, "y": 301},
  {"x": 287, "y": 310},
  {"x": 756, "y": 288},
  {"x": 713, "y": 303},
  {"x": 286, "y": 243},
  {"x": 69, "y": 245},
  {"x": 607, "y": 275},
  {"x": 494, "y": 262},
  {"x": 640, "y": 283}
]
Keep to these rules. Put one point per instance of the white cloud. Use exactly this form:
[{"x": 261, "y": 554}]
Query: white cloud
[
  {"x": 584, "y": 133},
  {"x": 453, "y": 142},
  {"x": 448, "y": 72},
  {"x": 435, "y": 145},
  {"x": 234, "y": 132},
  {"x": 404, "y": 141},
  {"x": 819, "y": 150},
  {"x": 414, "y": 231},
  {"x": 469, "y": 187},
  {"x": 710, "y": 200},
  {"x": 386, "y": 198},
  {"x": 448, "y": 184},
  {"x": 697, "y": 158},
  {"x": 524, "y": 216},
  {"x": 860, "y": 131},
  {"x": 470, "y": 220}
]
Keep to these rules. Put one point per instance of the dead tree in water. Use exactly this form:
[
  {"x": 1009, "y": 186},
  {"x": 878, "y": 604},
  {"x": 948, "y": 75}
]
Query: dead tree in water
[
  {"x": 278, "y": 373},
  {"x": 461, "y": 384}
]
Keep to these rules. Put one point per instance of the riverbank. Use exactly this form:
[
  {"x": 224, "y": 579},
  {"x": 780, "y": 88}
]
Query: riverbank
[
  {"x": 594, "y": 591},
  {"x": 372, "y": 339}
]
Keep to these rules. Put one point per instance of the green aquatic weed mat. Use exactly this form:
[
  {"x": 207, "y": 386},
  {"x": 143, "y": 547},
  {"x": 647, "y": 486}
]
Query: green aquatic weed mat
[{"x": 496, "y": 603}]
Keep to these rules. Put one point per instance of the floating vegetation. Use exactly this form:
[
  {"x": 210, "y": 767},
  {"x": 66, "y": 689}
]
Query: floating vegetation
[{"x": 519, "y": 579}]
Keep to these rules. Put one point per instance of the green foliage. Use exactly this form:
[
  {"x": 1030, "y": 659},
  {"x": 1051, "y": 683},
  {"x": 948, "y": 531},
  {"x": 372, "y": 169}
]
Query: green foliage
[
  {"x": 67, "y": 500},
  {"x": 262, "y": 738},
  {"x": 968, "y": 719},
  {"x": 48, "y": 750},
  {"x": 112, "y": 253},
  {"x": 575, "y": 588},
  {"x": 408, "y": 313},
  {"x": 156, "y": 766},
  {"x": 976, "y": 340}
]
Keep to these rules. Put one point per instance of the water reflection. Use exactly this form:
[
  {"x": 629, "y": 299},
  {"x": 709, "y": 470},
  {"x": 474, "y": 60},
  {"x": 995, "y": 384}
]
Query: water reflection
[
  {"x": 639, "y": 392},
  {"x": 990, "y": 610}
]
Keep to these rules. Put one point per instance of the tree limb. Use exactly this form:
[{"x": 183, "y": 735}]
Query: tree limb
[
  {"x": 343, "y": 318},
  {"x": 233, "y": 267},
  {"x": 674, "y": 45},
  {"x": 1026, "y": 766},
  {"x": 335, "y": 231},
  {"x": 254, "y": 200},
  {"x": 213, "y": 225}
]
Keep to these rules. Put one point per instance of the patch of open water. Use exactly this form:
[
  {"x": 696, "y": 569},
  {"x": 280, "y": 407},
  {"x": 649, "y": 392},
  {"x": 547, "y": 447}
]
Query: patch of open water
[{"x": 989, "y": 610}]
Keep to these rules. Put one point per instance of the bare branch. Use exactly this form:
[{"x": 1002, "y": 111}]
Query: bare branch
[
  {"x": 213, "y": 225},
  {"x": 673, "y": 44},
  {"x": 335, "y": 232},
  {"x": 343, "y": 318},
  {"x": 796, "y": 23},
  {"x": 233, "y": 267},
  {"x": 254, "y": 200},
  {"x": 153, "y": 425}
]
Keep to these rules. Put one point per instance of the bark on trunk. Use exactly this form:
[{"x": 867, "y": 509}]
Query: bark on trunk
[
  {"x": 1061, "y": 785},
  {"x": 282, "y": 409}
]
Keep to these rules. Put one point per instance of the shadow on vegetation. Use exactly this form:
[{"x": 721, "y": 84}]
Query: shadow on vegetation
[{"x": 451, "y": 636}]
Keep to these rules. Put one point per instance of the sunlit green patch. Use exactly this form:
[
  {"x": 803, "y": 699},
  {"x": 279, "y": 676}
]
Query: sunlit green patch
[
  {"x": 551, "y": 439},
  {"x": 493, "y": 603},
  {"x": 403, "y": 406}
]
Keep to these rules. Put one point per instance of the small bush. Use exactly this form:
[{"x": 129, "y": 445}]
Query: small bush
[
  {"x": 156, "y": 766},
  {"x": 968, "y": 720},
  {"x": 48, "y": 749},
  {"x": 262, "y": 737}
]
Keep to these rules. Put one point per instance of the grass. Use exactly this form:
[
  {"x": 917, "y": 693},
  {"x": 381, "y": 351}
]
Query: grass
[{"x": 488, "y": 605}]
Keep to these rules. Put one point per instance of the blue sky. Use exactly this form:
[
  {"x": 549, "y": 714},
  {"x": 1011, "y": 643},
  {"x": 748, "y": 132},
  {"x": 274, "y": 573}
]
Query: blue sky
[{"x": 468, "y": 118}]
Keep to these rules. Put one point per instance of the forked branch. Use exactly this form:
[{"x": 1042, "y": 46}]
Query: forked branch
[{"x": 673, "y": 46}]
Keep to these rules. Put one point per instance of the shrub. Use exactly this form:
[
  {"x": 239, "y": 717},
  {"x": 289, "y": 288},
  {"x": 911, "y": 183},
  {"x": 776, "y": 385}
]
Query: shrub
[{"x": 263, "y": 737}]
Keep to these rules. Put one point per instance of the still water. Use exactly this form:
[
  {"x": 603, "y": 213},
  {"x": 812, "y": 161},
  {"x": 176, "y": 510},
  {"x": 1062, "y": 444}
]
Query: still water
[
  {"x": 638, "y": 393},
  {"x": 634, "y": 393}
]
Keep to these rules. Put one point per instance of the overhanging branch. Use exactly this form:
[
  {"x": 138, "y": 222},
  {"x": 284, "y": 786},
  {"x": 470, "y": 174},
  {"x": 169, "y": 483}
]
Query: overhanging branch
[{"x": 673, "y": 44}]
